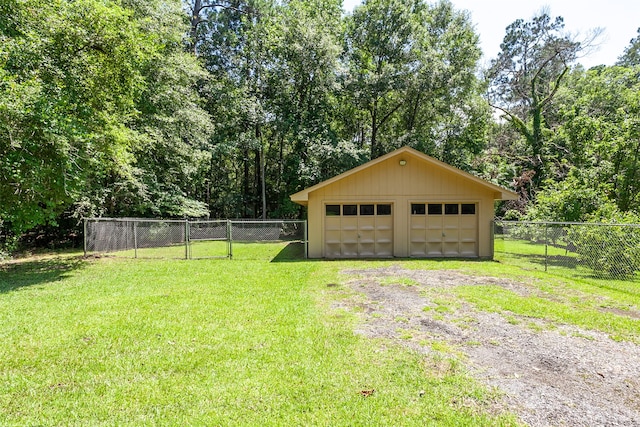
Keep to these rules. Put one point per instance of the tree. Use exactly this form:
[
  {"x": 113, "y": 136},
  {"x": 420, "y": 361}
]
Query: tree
[
  {"x": 98, "y": 111},
  {"x": 305, "y": 100},
  {"x": 526, "y": 76},
  {"x": 198, "y": 12},
  {"x": 444, "y": 114},
  {"x": 68, "y": 80},
  {"x": 381, "y": 43},
  {"x": 631, "y": 56},
  {"x": 274, "y": 96},
  {"x": 599, "y": 130},
  {"x": 412, "y": 76}
]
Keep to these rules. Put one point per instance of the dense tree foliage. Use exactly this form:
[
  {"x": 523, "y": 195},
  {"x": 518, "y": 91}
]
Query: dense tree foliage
[
  {"x": 631, "y": 54},
  {"x": 99, "y": 115},
  {"x": 174, "y": 108},
  {"x": 412, "y": 79},
  {"x": 536, "y": 56}
]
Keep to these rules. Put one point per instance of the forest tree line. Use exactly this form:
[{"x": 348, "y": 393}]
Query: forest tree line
[{"x": 222, "y": 109}]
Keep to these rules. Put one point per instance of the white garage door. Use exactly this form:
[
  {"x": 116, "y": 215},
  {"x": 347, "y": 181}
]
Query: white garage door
[
  {"x": 443, "y": 230},
  {"x": 358, "y": 230}
]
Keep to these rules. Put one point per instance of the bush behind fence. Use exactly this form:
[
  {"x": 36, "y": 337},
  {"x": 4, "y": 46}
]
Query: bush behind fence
[
  {"x": 605, "y": 250},
  {"x": 189, "y": 239}
]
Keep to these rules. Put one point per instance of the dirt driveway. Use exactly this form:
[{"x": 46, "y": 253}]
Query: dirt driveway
[{"x": 549, "y": 376}]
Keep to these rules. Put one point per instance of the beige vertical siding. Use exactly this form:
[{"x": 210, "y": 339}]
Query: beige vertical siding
[
  {"x": 389, "y": 182},
  {"x": 419, "y": 181}
]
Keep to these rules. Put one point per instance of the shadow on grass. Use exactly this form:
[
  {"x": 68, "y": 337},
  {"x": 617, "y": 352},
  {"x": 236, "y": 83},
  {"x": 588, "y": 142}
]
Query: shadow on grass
[
  {"x": 571, "y": 264},
  {"x": 28, "y": 273},
  {"x": 293, "y": 252},
  {"x": 562, "y": 261}
]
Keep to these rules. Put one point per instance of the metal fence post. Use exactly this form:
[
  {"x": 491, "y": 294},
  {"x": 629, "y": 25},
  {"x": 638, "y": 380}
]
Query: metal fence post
[
  {"x": 230, "y": 237},
  {"x": 492, "y": 239},
  {"x": 306, "y": 241},
  {"x": 85, "y": 236},
  {"x": 135, "y": 239},
  {"x": 546, "y": 245},
  {"x": 186, "y": 239}
]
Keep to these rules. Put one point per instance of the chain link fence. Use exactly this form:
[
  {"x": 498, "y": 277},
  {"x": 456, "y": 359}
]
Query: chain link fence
[
  {"x": 196, "y": 239},
  {"x": 606, "y": 251}
]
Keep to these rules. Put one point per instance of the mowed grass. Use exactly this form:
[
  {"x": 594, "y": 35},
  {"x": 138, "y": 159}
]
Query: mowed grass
[
  {"x": 567, "y": 293},
  {"x": 210, "y": 342},
  {"x": 258, "y": 340}
]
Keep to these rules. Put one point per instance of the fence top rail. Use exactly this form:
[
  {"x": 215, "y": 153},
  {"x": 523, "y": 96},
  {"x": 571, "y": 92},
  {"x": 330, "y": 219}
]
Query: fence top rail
[
  {"x": 597, "y": 224},
  {"x": 101, "y": 219},
  {"x": 266, "y": 221},
  {"x": 208, "y": 221},
  {"x": 199, "y": 221}
]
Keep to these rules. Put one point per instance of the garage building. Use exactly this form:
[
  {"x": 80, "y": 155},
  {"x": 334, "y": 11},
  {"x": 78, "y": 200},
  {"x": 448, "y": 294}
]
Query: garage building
[{"x": 403, "y": 204}]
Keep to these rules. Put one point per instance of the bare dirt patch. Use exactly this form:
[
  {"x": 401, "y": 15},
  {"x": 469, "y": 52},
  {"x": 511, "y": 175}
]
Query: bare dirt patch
[{"x": 551, "y": 375}]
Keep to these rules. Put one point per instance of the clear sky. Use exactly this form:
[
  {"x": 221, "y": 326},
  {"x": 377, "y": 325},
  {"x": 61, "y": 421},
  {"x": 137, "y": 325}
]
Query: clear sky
[{"x": 619, "y": 19}]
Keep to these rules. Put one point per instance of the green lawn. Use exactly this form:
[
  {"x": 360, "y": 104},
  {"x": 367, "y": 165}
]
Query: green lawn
[{"x": 113, "y": 341}]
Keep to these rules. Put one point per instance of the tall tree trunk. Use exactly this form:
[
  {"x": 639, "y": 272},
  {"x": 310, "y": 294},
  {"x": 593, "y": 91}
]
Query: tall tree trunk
[
  {"x": 261, "y": 164},
  {"x": 374, "y": 130},
  {"x": 536, "y": 146},
  {"x": 245, "y": 184},
  {"x": 194, "y": 20}
]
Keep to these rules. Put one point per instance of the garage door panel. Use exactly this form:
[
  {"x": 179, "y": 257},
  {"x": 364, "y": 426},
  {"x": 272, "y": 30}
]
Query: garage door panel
[
  {"x": 384, "y": 235},
  {"x": 332, "y": 223},
  {"x": 383, "y": 246},
  {"x": 418, "y": 236},
  {"x": 418, "y": 249},
  {"x": 384, "y": 249},
  {"x": 363, "y": 234},
  {"x": 349, "y": 249},
  {"x": 333, "y": 237},
  {"x": 451, "y": 222},
  {"x": 450, "y": 230},
  {"x": 366, "y": 249},
  {"x": 451, "y": 249},
  {"x": 435, "y": 224},
  {"x": 434, "y": 249},
  {"x": 451, "y": 236},
  {"x": 467, "y": 235},
  {"x": 468, "y": 249}
]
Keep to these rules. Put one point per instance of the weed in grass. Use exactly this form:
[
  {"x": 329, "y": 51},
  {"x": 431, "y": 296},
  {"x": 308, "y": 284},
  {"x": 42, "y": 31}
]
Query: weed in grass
[
  {"x": 404, "y": 334},
  {"x": 437, "y": 316},
  {"x": 400, "y": 281},
  {"x": 444, "y": 309},
  {"x": 536, "y": 327},
  {"x": 512, "y": 320},
  {"x": 444, "y": 347},
  {"x": 581, "y": 335},
  {"x": 465, "y": 322}
]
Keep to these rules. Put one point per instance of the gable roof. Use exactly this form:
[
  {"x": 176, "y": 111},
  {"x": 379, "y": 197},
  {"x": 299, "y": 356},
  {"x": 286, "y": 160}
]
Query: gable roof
[{"x": 302, "y": 197}]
